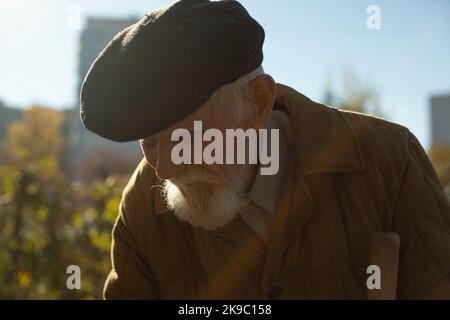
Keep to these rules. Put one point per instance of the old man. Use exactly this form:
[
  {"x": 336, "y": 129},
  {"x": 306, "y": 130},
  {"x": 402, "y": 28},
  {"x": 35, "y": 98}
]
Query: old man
[{"x": 196, "y": 230}]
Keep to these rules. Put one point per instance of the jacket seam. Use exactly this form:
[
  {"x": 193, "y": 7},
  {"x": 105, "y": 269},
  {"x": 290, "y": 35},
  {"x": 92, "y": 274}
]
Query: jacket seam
[{"x": 402, "y": 183}]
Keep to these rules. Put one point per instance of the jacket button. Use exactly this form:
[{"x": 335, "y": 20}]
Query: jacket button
[{"x": 274, "y": 292}]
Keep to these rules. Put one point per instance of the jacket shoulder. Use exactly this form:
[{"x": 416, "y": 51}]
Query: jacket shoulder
[
  {"x": 349, "y": 137},
  {"x": 379, "y": 139},
  {"x": 386, "y": 148}
]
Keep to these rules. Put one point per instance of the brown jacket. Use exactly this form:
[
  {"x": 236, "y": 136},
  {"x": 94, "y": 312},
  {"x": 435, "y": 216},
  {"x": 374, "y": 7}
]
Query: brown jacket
[{"x": 350, "y": 175}]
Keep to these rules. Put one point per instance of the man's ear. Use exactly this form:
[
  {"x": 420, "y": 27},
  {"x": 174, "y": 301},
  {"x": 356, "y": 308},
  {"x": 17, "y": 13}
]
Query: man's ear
[{"x": 263, "y": 92}]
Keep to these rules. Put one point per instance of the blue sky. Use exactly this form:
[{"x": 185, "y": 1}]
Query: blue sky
[{"x": 307, "y": 43}]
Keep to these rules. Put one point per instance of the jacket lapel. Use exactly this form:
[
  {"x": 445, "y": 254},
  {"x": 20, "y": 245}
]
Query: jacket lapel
[{"x": 295, "y": 206}]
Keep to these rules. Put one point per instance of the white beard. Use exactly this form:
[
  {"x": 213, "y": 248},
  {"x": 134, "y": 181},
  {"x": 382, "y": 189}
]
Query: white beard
[{"x": 209, "y": 210}]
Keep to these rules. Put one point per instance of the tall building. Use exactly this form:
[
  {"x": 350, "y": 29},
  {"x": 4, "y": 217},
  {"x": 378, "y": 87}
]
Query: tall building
[
  {"x": 440, "y": 119},
  {"x": 83, "y": 144}
]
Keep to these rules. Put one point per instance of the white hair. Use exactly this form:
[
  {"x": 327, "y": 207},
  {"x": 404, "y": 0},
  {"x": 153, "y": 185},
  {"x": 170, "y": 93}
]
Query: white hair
[{"x": 232, "y": 97}]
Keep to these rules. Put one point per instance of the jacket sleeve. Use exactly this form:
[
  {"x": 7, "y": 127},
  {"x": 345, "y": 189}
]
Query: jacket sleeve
[
  {"x": 422, "y": 219},
  {"x": 130, "y": 277}
]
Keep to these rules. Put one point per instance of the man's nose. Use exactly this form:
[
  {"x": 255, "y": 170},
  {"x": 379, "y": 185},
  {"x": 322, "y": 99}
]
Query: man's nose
[
  {"x": 165, "y": 168},
  {"x": 159, "y": 158}
]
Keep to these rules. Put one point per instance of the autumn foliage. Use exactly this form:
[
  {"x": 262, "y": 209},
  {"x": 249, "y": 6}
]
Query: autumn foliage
[{"x": 48, "y": 222}]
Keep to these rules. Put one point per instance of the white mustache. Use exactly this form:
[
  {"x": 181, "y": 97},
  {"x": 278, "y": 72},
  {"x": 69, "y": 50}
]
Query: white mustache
[
  {"x": 211, "y": 210},
  {"x": 195, "y": 176}
]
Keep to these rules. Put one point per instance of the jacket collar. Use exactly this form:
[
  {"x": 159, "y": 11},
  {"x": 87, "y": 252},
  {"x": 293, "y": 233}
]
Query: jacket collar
[{"x": 324, "y": 140}]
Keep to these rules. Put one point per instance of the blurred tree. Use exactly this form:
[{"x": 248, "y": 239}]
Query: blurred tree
[
  {"x": 353, "y": 94},
  {"x": 48, "y": 222},
  {"x": 36, "y": 135},
  {"x": 103, "y": 162}
]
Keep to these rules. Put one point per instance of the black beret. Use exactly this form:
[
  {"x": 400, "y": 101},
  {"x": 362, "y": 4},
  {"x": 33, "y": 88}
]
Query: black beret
[{"x": 161, "y": 69}]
